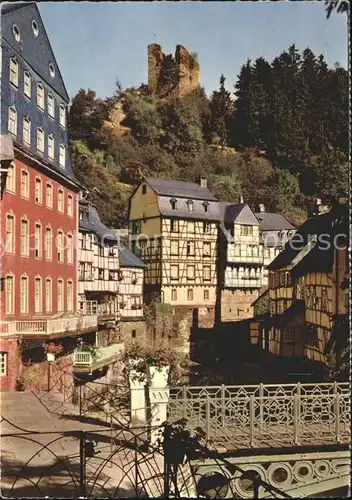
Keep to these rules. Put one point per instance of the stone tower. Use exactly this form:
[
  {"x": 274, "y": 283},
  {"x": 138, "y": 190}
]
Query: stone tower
[
  {"x": 187, "y": 71},
  {"x": 155, "y": 66}
]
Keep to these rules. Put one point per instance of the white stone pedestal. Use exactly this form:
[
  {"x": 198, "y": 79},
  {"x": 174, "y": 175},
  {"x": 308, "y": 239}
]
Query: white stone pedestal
[
  {"x": 158, "y": 398},
  {"x": 138, "y": 401},
  {"x": 50, "y": 356}
]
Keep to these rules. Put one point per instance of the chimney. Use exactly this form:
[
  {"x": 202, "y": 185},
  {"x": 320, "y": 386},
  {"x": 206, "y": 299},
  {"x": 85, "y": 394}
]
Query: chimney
[
  {"x": 241, "y": 199},
  {"x": 203, "y": 182},
  {"x": 261, "y": 208}
]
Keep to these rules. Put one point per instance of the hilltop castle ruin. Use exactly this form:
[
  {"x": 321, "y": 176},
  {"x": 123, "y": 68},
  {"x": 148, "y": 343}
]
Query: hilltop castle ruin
[{"x": 168, "y": 75}]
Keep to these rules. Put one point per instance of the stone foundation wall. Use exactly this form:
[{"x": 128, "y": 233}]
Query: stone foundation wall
[
  {"x": 133, "y": 331},
  {"x": 107, "y": 337},
  {"x": 186, "y": 320},
  {"x": 237, "y": 304}
]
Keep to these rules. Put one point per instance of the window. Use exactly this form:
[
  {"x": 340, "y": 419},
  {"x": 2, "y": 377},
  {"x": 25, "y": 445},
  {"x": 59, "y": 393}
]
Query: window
[
  {"x": 60, "y": 253},
  {"x": 60, "y": 295},
  {"x": 48, "y": 244},
  {"x": 206, "y": 273},
  {"x": 38, "y": 295},
  {"x": 60, "y": 200},
  {"x": 206, "y": 206},
  {"x": 174, "y": 272},
  {"x": 16, "y": 32},
  {"x": 38, "y": 190},
  {"x": 206, "y": 249},
  {"x": 101, "y": 274},
  {"x": 26, "y": 130},
  {"x": 14, "y": 72},
  {"x": 190, "y": 294},
  {"x": 246, "y": 230},
  {"x": 190, "y": 272},
  {"x": 35, "y": 28},
  {"x": 144, "y": 189},
  {"x": 312, "y": 337},
  {"x": 38, "y": 241},
  {"x": 282, "y": 279},
  {"x": 24, "y": 237},
  {"x": 324, "y": 299},
  {"x": 40, "y": 140},
  {"x": 48, "y": 295},
  {"x": 12, "y": 123},
  {"x": 11, "y": 178},
  {"x": 51, "y": 70},
  {"x": 173, "y": 204},
  {"x": 10, "y": 233},
  {"x": 207, "y": 227},
  {"x": 62, "y": 116},
  {"x": 174, "y": 226},
  {"x": 69, "y": 249},
  {"x": 190, "y": 248},
  {"x": 10, "y": 294},
  {"x": 81, "y": 271},
  {"x": 191, "y": 227},
  {"x": 174, "y": 247},
  {"x": 70, "y": 205},
  {"x": 206, "y": 294},
  {"x": 173, "y": 294},
  {"x": 49, "y": 195},
  {"x": 24, "y": 295},
  {"x": 3, "y": 363},
  {"x": 40, "y": 96},
  {"x": 51, "y": 105},
  {"x": 51, "y": 147},
  {"x": 62, "y": 159},
  {"x": 69, "y": 294},
  {"x": 288, "y": 335},
  {"x": 27, "y": 85},
  {"x": 190, "y": 206}
]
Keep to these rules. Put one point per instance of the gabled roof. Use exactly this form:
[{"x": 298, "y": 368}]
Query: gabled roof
[
  {"x": 128, "y": 259},
  {"x": 94, "y": 224},
  {"x": 281, "y": 320},
  {"x": 35, "y": 50},
  {"x": 180, "y": 189},
  {"x": 239, "y": 213},
  {"x": 273, "y": 222}
]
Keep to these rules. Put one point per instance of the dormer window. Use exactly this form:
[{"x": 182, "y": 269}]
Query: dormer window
[
  {"x": 206, "y": 206},
  {"x": 35, "y": 28},
  {"x": 144, "y": 189},
  {"x": 173, "y": 204},
  {"x": 16, "y": 33},
  {"x": 190, "y": 205}
]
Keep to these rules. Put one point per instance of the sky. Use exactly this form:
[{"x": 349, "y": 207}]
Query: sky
[{"x": 95, "y": 43}]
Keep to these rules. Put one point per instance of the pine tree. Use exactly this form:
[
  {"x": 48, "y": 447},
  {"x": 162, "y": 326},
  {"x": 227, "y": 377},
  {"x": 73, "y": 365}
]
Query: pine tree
[{"x": 221, "y": 107}]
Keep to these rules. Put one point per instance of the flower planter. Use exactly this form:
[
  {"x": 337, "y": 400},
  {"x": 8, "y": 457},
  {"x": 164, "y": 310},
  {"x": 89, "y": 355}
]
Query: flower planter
[
  {"x": 137, "y": 381},
  {"x": 50, "y": 356}
]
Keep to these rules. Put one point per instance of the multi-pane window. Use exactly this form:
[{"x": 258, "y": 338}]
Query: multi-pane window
[
  {"x": 246, "y": 230},
  {"x": 191, "y": 227},
  {"x": 11, "y": 178},
  {"x": 81, "y": 271},
  {"x": 38, "y": 241},
  {"x": 60, "y": 252},
  {"x": 206, "y": 227},
  {"x": 48, "y": 295},
  {"x": 14, "y": 71},
  {"x": 70, "y": 205},
  {"x": 51, "y": 105},
  {"x": 62, "y": 115},
  {"x": 62, "y": 158},
  {"x": 24, "y": 237},
  {"x": 10, "y": 294},
  {"x": 206, "y": 273},
  {"x": 69, "y": 249},
  {"x": 38, "y": 295},
  {"x": 49, "y": 195},
  {"x": 173, "y": 294},
  {"x": 27, "y": 85},
  {"x": 40, "y": 140},
  {"x": 3, "y": 363},
  {"x": 174, "y": 247},
  {"x": 60, "y": 295},
  {"x": 206, "y": 249},
  {"x": 190, "y": 294},
  {"x": 38, "y": 190},
  {"x": 288, "y": 335},
  {"x": 190, "y": 272},
  {"x": 40, "y": 96},
  {"x": 10, "y": 233},
  {"x": 26, "y": 130},
  {"x": 12, "y": 123},
  {"x": 48, "y": 244},
  {"x": 51, "y": 146},
  {"x": 174, "y": 226},
  {"x": 24, "y": 295},
  {"x": 69, "y": 295},
  {"x": 190, "y": 248},
  {"x": 174, "y": 272},
  {"x": 206, "y": 294},
  {"x": 60, "y": 200}
]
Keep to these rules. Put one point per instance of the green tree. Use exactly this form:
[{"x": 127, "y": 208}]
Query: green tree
[{"x": 221, "y": 110}]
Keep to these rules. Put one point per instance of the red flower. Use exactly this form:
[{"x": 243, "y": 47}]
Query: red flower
[{"x": 179, "y": 373}]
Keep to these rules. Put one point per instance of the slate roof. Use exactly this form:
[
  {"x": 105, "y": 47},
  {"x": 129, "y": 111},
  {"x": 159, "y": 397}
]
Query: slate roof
[
  {"x": 128, "y": 259},
  {"x": 272, "y": 222},
  {"x": 94, "y": 224},
  {"x": 180, "y": 189},
  {"x": 237, "y": 212},
  {"x": 198, "y": 213}
]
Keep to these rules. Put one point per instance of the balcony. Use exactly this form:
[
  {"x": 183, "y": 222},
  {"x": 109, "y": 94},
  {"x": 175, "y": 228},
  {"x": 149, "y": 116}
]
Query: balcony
[
  {"x": 104, "y": 311},
  {"x": 50, "y": 327},
  {"x": 84, "y": 361}
]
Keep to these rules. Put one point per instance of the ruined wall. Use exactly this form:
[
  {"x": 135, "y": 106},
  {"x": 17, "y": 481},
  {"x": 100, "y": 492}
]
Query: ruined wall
[
  {"x": 237, "y": 304},
  {"x": 178, "y": 79}
]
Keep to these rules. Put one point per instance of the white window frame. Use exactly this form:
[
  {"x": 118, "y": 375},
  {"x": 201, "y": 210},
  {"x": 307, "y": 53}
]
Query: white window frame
[
  {"x": 49, "y": 195},
  {"x": 60, "y": 201},
  {"x": 70, "y": 205},
  {"x": 69, "y": 249},
  {"x": 69, "y": 295},
  {"x": 38, "y": 194},
  {"x": 3, "y": 363},
  {"x": 48, "y": 295},
  {"x": 60, "y": 296},
  {"x": 14, "y": 71},
  {"x": 10, "y": 235},
  {"x": 51, "y": 146},
  {"x": 24, "y": 237},
  {"x": 11, "y": 178},
  {"x": 26, "y": 133},
  {"x": 24, "y": 295},
  {"x": 40, "y": 97},
  {"x": 60, "y": 247},
  {"x": 48, "y": 243},
  {"x": 38, "y": 295},
  {"x": 62, "y": 119},
  {"x": 62, "y": 156},
  {"x": 38, "y": 237},
  {"x": 10, "y": 300},
  {"x": 40, "y": 140},
  {"x": 51, "y": 105},
  {"x": 27, "y": 84},
  {"x": 12, "y": 120}
]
